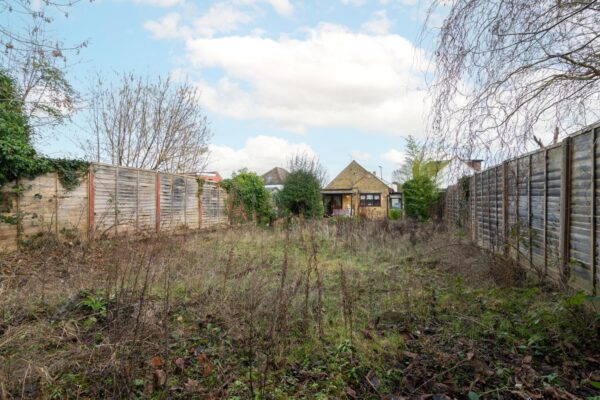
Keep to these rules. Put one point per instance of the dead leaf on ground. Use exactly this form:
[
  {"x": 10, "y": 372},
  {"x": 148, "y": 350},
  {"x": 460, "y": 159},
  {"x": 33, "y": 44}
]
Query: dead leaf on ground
[
  {"x": 207, "y": 370},
  {"x": 156, "y": 361},
  {"x": 180, "y": 364},
  {"x": 202, "y": 358},
  {"x": 192, "y": 386},
  {"x": 160, "y": 377}
]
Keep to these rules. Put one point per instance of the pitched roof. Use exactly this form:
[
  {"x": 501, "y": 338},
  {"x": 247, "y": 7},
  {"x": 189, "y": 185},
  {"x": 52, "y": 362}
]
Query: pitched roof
[
  {"x": 365, "y": 173},
  {"x": 275, "y": 176}
]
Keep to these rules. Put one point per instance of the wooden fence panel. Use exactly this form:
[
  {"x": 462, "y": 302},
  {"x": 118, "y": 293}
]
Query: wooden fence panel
[
  {"x": 127, "y": 196},
  {"x": 523, "y": 208},
  {"x": 166, "y": 203},
  {"x": 72, "y": 210},
  {"x": 146, "y": 208},
  {"x": 192, "y": 204},
  {"x": 554, "y": 169},
  {"x": 580, "y": 211},
  {"x": 537, "y": 198},
  {"x": 596, "y": 209},
  {"x": 512, "y": 202},
  {"x": 38, "y": 205},
  {"x": 178, "y": 201},
  {"x": 484, "y": 235},
  {"x": 114, "y": 200},
  {"x": 498, "y": 204},
  {"x": 541, "y": 208},
  {"x": 8, "y": 208},
  {"x": 473, "y": 206},
  {"x": 105, "y": 206},
  {"x": 214, "y": 206}
]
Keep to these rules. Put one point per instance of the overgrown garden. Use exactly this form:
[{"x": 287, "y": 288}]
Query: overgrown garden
[{"x": 345, "y": 309}]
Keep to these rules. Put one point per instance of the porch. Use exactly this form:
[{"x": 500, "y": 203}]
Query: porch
[{"x": 338, "y": 203}]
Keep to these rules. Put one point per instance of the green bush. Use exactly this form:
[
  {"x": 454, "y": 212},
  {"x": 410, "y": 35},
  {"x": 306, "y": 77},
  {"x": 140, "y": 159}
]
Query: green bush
[
  {"x": 394, "y": 214},
  {"x": 301, "y": 195},
  {"x": 250, "y": 200},
  {"x": 420, "y": 193},
  {"x": 18, "y": 158}
]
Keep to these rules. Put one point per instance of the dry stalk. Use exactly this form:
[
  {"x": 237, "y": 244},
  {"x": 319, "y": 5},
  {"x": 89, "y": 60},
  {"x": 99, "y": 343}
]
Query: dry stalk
[{"x": 347, "y": 302}]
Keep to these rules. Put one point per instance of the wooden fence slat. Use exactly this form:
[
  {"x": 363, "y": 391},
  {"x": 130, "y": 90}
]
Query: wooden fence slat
[
  {"x": 565, "y": 185},
  {"x": 529, "y": 225},
  {"x": 114, "y": 200},
  {"x": 593, "y": 211},
  {"x": 546, "y": 212},
  {"x": 157, "y": 197},
  {"x": 505, "y": 206},
  {"x": 91, "y": 207},
  {"x": 552, "y": 209}
]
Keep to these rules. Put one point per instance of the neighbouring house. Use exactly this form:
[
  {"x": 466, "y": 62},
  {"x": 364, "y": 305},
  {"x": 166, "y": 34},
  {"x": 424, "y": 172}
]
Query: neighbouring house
[
  {"x": 356, "y": 191},
  {"x": 454, "y": 169},
  {"x": 208, "y": 176},
  {"x": 274, "y": 179}
]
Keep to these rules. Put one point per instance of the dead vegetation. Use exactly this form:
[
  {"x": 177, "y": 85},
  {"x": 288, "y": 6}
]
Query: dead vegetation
[{"x": 348, "y": 309}]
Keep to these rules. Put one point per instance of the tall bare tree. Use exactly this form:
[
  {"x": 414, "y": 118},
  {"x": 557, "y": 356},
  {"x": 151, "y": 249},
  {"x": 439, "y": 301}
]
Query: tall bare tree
[
  {"x": 37, "y": 61},
  {"x": 152, "y": 124},
  {"x": 509, "y": 70},
  {"x": 308, "y": 163}
]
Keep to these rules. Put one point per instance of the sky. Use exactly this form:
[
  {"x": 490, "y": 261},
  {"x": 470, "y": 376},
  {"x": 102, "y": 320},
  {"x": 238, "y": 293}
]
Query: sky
[{"x": 339, "y": 79}]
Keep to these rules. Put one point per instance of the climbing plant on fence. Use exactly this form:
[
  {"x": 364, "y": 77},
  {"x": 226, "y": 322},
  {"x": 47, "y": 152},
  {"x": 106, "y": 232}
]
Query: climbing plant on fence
[
  {"x": 18, "y": 158},
  {"x": 248, "y": 197}
]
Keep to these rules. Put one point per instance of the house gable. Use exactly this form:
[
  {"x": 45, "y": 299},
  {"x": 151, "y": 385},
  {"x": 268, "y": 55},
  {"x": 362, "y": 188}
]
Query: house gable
[
  {"x": 356, "y": 176},
  {"x": 275, "y": 176}
]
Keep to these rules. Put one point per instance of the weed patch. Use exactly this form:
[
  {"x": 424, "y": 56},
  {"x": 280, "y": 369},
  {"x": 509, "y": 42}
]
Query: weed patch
[{"x": 344, "y": 309}]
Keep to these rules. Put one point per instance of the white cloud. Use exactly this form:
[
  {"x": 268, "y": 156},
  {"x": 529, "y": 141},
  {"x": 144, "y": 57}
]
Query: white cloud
[
  {"x": 360, "y": 155},
  {"x": 259, "y": 154},
  {"x": 331, "y": 78},
  {"x": 220, "y": 18},
  {"x": 160, "y": 3},
  {"x": 394, "y": 156},
  {"x": 379, "y": 25},
  {"x": 283, "y": 7},
  {"x": 353, "y": 2},
  {"x": 166, "y": 28}
]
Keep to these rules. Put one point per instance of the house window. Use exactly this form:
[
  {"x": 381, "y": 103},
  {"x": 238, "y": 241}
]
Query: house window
[{"x": 370, "y": 200}]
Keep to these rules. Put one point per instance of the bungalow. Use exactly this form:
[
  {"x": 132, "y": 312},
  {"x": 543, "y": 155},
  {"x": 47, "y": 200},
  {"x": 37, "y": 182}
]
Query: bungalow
[
  {"x": 274, "y": 179},
  {"x": 356, "y": 191}
]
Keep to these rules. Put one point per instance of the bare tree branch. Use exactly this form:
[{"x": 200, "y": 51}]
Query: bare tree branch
[
  {"x": 156, "y": 125},
  {"x": 509, "y": 70}
]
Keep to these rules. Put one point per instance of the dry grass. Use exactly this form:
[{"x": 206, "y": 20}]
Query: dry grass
[{"x": 346, "y": 309}]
